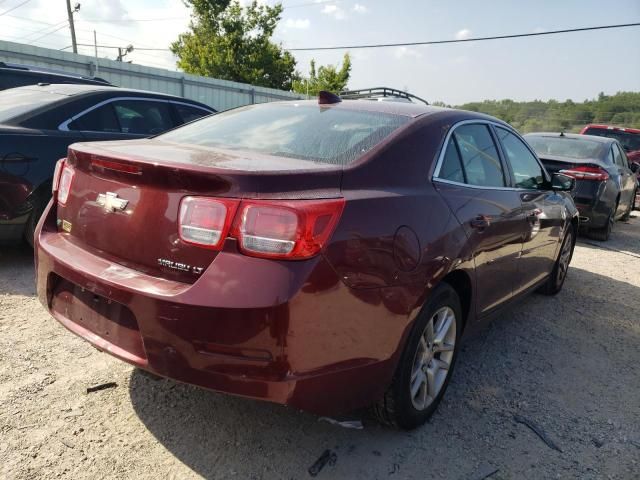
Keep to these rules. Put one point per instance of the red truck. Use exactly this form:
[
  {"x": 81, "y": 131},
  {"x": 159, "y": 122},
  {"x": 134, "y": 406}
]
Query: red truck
[{"x": 629, "y": 138}]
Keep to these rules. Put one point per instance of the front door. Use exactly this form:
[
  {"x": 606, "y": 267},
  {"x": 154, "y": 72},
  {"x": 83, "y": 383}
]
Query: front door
[{"x": 544, "y": 212}]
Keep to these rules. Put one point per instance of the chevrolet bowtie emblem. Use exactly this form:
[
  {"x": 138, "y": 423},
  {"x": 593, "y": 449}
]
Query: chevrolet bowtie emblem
[{"x": 111, "y": 202}]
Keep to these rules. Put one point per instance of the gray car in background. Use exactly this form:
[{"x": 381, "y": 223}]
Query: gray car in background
[{"x": 605, "y": 181}]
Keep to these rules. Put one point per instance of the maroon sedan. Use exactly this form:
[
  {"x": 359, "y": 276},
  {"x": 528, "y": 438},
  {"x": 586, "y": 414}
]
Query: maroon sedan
[{"x": 323, "y": 255}]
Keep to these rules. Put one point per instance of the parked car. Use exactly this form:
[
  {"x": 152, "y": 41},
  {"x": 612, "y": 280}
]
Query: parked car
[
  {"x": 13, "y": 75},
  {"x": 629, "y": 138},
  {"x": 605, "y": 181},
  {"x": 324, "y": 255},
  {"x": 38, "y": 123}
]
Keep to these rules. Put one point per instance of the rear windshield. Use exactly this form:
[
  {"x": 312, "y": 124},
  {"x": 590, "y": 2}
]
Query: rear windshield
[
  {"x": 15, "y": 102},
  {"x": 630, "y": 141},
  {"x": 566, "y": 147},
  {"x": 326, "y": 135}
]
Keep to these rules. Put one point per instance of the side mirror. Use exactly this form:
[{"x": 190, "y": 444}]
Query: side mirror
[
  {"x": 634, "y": 167},
  {"x": 562, "y": 182}
]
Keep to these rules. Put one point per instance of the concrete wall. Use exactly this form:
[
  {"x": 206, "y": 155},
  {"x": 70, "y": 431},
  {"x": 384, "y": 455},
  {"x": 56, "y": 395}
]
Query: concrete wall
[{"x": 219, "y": 94}]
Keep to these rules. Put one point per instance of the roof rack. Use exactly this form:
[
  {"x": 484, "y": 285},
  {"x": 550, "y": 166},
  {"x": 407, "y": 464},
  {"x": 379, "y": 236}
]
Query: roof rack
[{"x": 379, "y": 92}]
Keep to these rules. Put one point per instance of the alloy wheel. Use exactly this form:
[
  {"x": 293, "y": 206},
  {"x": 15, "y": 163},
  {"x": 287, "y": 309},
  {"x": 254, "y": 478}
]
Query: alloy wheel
[
  {"x": 565, "y": 258},
  {"x": 433, "y": 358}
]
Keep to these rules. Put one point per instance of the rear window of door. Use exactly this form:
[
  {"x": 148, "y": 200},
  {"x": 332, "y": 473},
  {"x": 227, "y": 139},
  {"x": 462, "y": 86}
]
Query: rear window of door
[
  {"x": 101, "y": 119},
  {"x": 619, "y": 157},
  {"x": 472, "y": 155},
  {"x": 189, "y": 114},
  {"x": 527, "y": 171}
]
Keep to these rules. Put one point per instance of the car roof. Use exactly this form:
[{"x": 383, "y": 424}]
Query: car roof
[
  {"x": 77, "y": 89},
  {"x": 407, "y": 109},
  {"x": 576, "y": 136},
  {"x": 73, "y": 89},
  {"x": 600, "y": 126}
]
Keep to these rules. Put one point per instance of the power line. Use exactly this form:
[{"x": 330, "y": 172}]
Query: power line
[
  {"x": 463, "y": 40},
  {"x": 49, "y": 33},
  {"x": 14, "y": 8}
]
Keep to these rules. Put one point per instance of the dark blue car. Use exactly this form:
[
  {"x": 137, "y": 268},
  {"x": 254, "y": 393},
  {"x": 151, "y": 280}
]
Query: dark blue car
[{"x": 39, "y": 122}]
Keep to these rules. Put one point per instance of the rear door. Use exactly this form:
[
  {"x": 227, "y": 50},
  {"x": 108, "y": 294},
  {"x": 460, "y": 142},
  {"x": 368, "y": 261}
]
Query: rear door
[
  {"x": 627, "y": 178},
  {"x": 544, "y": 214},
  {"x": 473, "y": 181}
]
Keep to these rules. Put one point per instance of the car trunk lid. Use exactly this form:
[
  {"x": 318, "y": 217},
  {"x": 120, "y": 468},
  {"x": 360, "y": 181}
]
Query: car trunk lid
[
  {"x": 586, "y": 191},
  {"x": 125, "y": 197}
]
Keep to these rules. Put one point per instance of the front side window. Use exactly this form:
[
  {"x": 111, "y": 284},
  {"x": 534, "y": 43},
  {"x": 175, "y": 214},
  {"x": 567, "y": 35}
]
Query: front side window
[
  {"x": 329, "y": 135},
  {"x": 480, "y": 160},
  {"x": 527, "y": 171},
  {"x": 141, "y": 117}
]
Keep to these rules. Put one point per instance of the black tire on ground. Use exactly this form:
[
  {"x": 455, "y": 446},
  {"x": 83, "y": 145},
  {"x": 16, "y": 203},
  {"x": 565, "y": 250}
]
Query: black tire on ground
[
  {"x": 396, "y": 408},
  {"x": 40, "y": 202},
  {"x": 558, "y": 275},
  {"x": 602, "y": 234}
]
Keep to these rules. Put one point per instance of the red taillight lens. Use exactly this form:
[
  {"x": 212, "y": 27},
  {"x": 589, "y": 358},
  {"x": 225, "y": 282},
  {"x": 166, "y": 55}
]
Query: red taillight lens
[
  {"x": 56, "y": 175},
  {"x": 206, "y": 221},
  {"x": 63, "y": 186},
  {"x": 286, "y": 229},
  {"x": 596, "y": 174}
]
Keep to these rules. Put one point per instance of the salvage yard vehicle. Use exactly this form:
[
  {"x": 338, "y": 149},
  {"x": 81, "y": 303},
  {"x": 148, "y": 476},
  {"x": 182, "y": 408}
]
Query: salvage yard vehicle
[
  {"x": 323, "y": 255},
  {"x": 605, "y": 181},
  {"x": 629, "y": 138},
  {"x": 39, "y": 122},
  {"x": 13, "y": 75}
]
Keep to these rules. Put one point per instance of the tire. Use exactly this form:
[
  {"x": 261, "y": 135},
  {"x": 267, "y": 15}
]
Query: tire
[
  {"x": 603, "y": 234},
  {"x": 423, "y": 361},
  {"x": 40, "y": 202},
  {"x": 627, "y": 213},
  {"x": 560, "y": 269}
]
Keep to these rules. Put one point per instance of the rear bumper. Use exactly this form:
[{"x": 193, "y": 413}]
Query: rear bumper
[{"x": 301, "y": 339}]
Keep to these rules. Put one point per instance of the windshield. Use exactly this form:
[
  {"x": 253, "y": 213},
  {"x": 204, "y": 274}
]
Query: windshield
[
  {"x": 319, "y": 134},
  {"x": 565, "y": 147},
  {"x": 17, "y": 101},
  {"x": 630, "y": 141}
]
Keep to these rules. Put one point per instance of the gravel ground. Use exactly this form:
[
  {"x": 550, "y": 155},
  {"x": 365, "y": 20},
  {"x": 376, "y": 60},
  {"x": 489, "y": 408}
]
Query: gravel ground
[{"x": 568, "y": 365}]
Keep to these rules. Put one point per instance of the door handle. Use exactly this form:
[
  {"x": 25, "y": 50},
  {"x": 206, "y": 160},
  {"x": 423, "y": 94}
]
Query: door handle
[{"x": 480, "y": 222}]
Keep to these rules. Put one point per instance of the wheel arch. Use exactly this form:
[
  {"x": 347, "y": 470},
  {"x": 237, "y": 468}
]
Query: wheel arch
[{"x": 460, "y": 281}]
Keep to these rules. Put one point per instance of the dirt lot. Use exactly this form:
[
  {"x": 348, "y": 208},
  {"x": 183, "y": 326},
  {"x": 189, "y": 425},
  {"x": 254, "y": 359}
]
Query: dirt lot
[{"x": 569, "y": 365}]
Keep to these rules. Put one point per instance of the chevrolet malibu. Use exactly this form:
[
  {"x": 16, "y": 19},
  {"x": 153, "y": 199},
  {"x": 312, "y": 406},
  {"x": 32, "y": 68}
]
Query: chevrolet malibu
[{"x": 325, "y": 255}]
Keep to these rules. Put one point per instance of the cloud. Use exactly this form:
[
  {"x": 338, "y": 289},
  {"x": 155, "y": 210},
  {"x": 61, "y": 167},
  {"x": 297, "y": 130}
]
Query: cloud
[
  {"x": 105, "y": 10},
  {"x": 462, "y": 34},
  {"x": 406, "y": 52},
  {"x": 539, "y": 30},
  {"x": 360, "y": 8},
  {"x": 334, "y": 11},
  {"x": 298, "y": 23}
]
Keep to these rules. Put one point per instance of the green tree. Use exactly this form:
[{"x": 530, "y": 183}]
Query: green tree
[
  {"x": 328, "y": 78},
  {"x": 231, "y": 42}
]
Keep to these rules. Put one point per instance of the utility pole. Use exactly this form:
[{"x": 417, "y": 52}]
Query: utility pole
[
  {"x": 95, "y": 43},
  {"x": 70, "y": 13}
]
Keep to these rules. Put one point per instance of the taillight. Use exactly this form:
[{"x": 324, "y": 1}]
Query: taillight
[
  {"x": 206, "y": 221},
  {"x": 596, "y": 174},
  {"x": 56, "y": 175},
  {"x": 64, "y": 183},
  {"x": 294, "y": 229}
]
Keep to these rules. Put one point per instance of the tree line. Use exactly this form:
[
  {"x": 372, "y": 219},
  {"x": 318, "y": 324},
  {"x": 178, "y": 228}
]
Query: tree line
[
  {"x": 621, "y": 109},
  {"x": 231, "y": 42}
]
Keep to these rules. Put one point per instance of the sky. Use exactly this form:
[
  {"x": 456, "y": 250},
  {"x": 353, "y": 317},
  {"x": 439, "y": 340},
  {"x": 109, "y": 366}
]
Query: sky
[{"x": 573, "y": 66}]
